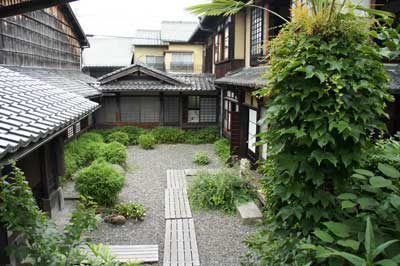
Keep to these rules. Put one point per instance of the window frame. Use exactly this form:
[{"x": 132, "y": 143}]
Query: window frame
[
  {"x": 198, "y": 108},
  {"x": 178, "y": 66},
  {"x": 257, "y": 35},
  {"x": 222, "y": 42}
]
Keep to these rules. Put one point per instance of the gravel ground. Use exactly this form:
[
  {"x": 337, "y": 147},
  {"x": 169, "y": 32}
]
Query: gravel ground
[{"x": 219, "y": 236}]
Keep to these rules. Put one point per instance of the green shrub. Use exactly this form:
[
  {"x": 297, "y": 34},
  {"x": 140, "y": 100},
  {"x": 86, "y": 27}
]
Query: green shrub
[
  {"x": 133, "y": 133},
  {"x": 114, "y": 153},
  {"x": 91, "y": 137},
  {"x": 130, "y": 210},
  {"x": 219, "y": 191},
  {"x": 147, "y": 141},
  {"x": 168, "y": 135},
  {"x": 100, "y": 181},
  {"x": 222, "y": 148},
  {"x": 202, "y": 136},
  {"x": 120, "y": 137},
  {"x": 70, "y": 164},
  {"x": 201, "y": 158}
]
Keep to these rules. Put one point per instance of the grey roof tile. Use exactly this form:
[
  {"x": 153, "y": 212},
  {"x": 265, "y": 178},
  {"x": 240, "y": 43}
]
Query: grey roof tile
[
  {"x": 177, "y": 82},
  {"x": 177, "y": 31},
  {"x": 253, "y": 77},
  {"x": 34, "y": 110},
  {"x": 67, "y": 79},
  {"x": 148, "y": 38}
]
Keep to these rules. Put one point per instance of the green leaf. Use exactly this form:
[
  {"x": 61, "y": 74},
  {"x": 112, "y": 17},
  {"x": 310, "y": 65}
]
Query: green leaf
[
  {"x": 364, "y": 172},
  {"x": 349, "y": 243},
  {"x": 366, "y": 202},
  {"x": 369, "y": 242},
  {"x": 347, "y": 204},
  {"x": 379, "y": 182},
  {"x": 353, "y": 259},
  {"x": 395, "y": 201},
  {"x": 339, "y": 229},
  {"x": 388, "y": 170},
  {"x": 383, "y": 246},
  {"x": 386, "y": 262},
  {"x": 324, "y": 236},
  {"x": 347, "y": 196}
]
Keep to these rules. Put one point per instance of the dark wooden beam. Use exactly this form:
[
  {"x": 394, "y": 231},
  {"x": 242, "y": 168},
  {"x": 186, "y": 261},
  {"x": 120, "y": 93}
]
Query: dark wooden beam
[{"x": 20, "y": 8}]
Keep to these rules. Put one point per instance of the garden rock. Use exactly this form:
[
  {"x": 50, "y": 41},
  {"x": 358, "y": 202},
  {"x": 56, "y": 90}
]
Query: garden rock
[
  {"x": 115, "y": 219},
  {"x": 249, "y": 212}
]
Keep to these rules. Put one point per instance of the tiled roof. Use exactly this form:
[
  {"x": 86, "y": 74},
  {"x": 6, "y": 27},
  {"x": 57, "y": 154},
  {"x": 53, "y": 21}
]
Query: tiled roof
[
  {"x": 108, "y": 51},
  {"x": 31, "y": 110},
  {"x": 160, "y": 81},
  {"x": 148, "y": 37},
  {"x": 394, "y": 72},
  {"x": 70, "y": 80},
  {"x": 177, "y": 31},
  {"x": 253, "y": 77}
]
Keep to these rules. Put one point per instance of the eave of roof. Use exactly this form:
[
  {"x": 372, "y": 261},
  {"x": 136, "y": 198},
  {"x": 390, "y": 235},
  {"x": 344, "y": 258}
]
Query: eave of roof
[
  {"x": 76, "y": 25},
  {"x": 32, "y": 111},
  {"x": 251, "y": 77}
]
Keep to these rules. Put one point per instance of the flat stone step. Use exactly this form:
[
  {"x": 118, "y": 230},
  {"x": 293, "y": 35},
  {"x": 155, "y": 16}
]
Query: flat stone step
[
  {"x": 177, "y": 204},
  {"x": 125, "y": 253},
  {"x": 180, "y": 247},
  {"x": 249, "y": 212}
]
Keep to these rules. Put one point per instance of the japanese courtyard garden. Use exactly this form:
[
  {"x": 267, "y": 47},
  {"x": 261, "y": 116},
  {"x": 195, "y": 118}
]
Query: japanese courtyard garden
[{"x": 329, "y": 191}]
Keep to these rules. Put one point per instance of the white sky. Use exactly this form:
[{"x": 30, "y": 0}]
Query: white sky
[{"x": 124, "y": 17}]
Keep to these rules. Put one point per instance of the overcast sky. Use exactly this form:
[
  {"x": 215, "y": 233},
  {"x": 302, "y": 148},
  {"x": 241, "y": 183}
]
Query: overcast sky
[{"x": 123, "y": 17}]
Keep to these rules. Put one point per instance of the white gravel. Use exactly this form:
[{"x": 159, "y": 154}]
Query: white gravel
[{"x": 219, "y": 236}]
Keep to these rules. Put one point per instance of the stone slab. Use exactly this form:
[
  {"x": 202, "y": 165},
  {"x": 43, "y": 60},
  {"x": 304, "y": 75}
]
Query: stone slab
[{"x": 249, "y": 212}]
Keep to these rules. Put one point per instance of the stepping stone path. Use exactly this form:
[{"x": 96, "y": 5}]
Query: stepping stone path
[
  {"x": 180, "y": 247},
  {"x": 249, "y": 212}
]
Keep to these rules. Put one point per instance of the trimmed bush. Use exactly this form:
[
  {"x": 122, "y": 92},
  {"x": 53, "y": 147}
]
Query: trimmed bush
[
  {"x": 222, "y": 148},
  {"x": 92, "y": 137},
  {"x": 70, "y": 164},
  {"x": 130, "y": 210},
  {"x": 202, "y": 136},
  {"x": 201, "y": 158},
  {"x": 114, "y": 153},
  {"x": 133, "y": 133},
  {"x": 168, "y": 135},
  {"x": 219, "y": 191},
  {"x": 120, "y": 137},
  {"x": 147, "y": 141},
  {"x": 101, "y": 182}
]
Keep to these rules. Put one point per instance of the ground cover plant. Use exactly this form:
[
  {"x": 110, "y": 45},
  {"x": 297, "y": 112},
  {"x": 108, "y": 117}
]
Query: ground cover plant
[
  {"x": 130, "y": 210},
  {"x": 147, "y": 141},
  {"x": 101, "y": 182},
  {"x": 168, "y": 135},
  {"x": 201, "y": 136},
  {"x": 222, "y": 148},
  {"x": 114, "y": 153},
  {"x": 219, "y": 190},
  {"x": 201, "y": 158},
  {"x": 327, "y": 96}
]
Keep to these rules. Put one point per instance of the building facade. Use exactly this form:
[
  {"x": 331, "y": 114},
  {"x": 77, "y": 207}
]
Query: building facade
[{"x": 236, "y": 52}]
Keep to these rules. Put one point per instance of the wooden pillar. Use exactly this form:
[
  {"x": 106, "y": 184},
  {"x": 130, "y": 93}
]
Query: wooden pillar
[
  {"x": 244, "y": 123},
  {"x": 118, "y": 114},
  {"x": 162, "y": 118},
  {"x": 45, "y": 178},
  {"x": 180, "y": 110}
]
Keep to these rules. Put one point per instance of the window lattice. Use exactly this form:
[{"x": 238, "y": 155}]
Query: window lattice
[
  {"x": 208, "y": 107},
  {"x": 257, "y": 32}
]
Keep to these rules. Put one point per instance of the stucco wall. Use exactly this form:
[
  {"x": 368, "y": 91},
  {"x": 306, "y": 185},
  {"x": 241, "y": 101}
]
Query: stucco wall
[
  {"x": 240, "y": 24},
  {"x": 197, "y": 51},
  {"x": 141, "y": 52}
]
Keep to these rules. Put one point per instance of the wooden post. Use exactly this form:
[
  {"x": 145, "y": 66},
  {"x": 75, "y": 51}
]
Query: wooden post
[
  {"x": 162, "y": 118},
  {"x": 180, "y": 110},
  {"x": 118, "y": 115}
]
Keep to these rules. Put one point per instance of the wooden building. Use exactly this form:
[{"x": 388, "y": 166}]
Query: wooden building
[
  {"x": 146, "y": 97},
  {"x": 44, "y": 98},
  {"x": 235, "y": 52}
]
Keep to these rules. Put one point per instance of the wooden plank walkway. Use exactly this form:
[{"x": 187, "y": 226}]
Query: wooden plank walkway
[
  {"x": 177, "y": 204},
  {"x": 180, "y": 243},
  {"x": 176, "y": 179},
  {"x": 124, "y": 253},
  {"x": 180, "y": 248}
]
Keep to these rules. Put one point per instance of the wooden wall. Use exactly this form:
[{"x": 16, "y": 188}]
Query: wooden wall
[{"x": 43, "y": 38}]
